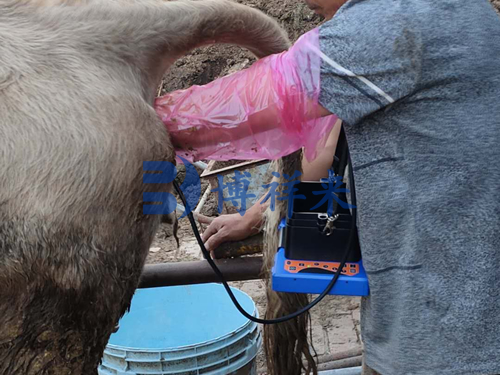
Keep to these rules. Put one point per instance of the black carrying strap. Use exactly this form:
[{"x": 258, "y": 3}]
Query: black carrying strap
[
  {"x": 341, "y": 157},
  {"x": 340, "y": 162}
]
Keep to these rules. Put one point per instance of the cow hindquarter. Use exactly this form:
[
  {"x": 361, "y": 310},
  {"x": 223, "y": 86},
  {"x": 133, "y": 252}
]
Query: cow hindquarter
[
  {"x": 77, "y": 80},
  {"x": 73, "y": 237}
]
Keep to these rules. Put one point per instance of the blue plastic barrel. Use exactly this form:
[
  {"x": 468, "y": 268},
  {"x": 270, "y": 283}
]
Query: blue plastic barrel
[{"x": 184, "y": 330}]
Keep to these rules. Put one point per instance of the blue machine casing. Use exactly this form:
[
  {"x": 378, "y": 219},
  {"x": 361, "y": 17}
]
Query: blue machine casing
[{"x": 316, "y": 283}]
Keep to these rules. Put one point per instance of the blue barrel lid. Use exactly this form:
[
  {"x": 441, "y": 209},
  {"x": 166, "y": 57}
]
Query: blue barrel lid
[{"x": 174, "y": 317}]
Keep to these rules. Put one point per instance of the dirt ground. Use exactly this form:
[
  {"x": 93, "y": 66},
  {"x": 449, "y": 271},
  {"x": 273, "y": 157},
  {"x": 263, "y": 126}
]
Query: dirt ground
[
  {"x": 336, "y": 322},
  {"x": 205, "y": 64}
]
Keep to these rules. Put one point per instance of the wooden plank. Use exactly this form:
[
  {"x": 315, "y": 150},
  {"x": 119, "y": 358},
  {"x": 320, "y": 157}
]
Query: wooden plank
[
  {"x": 242, "y": 166},
  {"x": 211, "y": 165},
  {"x": 234, "y": 249}
]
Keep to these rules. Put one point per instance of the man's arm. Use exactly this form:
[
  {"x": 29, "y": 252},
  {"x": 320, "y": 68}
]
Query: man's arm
[
  {"x": 233, "y": 227},
  {"x": 266, "y": 111},
  {"x": 318, "y": 168}
]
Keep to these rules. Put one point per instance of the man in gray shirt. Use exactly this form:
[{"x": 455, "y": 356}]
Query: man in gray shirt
[
  {"x": 417, "y": 85},
  {"x": 425, "y": 143}
]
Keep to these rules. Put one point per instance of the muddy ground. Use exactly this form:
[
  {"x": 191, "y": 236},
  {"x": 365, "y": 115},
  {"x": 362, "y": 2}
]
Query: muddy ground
[
  {"x": 205, "y": 64},
  {"x": 336, "y": 323}
]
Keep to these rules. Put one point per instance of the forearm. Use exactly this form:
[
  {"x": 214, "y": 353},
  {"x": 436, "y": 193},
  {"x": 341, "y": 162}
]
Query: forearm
[
  {"x": 311, "y": 171},
  {"x": 318, "y": 168},
  {"x": 200, "y": 117},
  {"x": 254, "y": 216}
]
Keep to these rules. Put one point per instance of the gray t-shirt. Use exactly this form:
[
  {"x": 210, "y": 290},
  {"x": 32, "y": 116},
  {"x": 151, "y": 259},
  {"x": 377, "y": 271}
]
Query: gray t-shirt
[{"x": 427, "y": 173}]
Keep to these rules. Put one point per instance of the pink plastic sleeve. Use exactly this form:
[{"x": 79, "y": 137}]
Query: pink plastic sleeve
[{"x": 266, "y": 111}]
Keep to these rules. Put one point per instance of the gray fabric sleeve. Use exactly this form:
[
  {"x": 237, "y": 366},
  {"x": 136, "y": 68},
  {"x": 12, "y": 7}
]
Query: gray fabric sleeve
[{"x": 380, "y": 46}]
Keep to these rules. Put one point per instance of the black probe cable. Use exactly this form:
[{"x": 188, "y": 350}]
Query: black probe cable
[{"x": 219, "y": 274}]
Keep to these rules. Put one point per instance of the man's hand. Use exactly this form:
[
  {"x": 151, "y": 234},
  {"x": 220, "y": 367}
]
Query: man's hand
[{"x": 233, "y": 227}]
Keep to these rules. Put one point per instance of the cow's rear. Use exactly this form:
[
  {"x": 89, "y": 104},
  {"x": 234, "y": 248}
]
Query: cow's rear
[{"x": 76, "y": 124}]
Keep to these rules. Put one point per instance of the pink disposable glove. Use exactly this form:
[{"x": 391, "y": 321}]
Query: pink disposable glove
[{"x": 266, "y": 111}]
